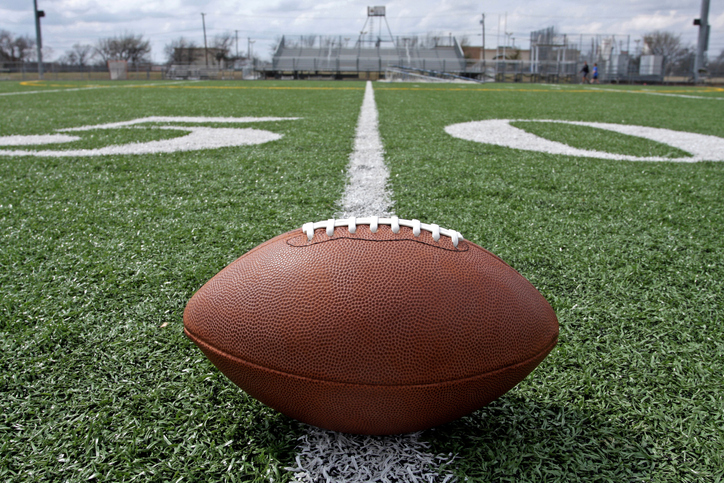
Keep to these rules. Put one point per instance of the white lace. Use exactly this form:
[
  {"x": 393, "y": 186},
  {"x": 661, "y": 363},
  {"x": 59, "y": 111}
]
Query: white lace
[{"x": 375, "y": 221}]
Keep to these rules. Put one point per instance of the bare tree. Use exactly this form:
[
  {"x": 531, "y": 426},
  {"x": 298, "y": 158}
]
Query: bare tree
[
  {"x": 430, "y": 41},
  {"x": 308, "y": 40},
  {"x": 716, "y": 66},
  {"x": 129, "y": 47},
  {"x": 663, "y": 43},
  {"x": 677, "y": 56},
  {"x": 513, "y": 54},
  {"x": 79, "y": 54},
  {"x": 222, "y": 43},
  {"x": 16, "y": 49},
  {"x": 180, "y": 51}
]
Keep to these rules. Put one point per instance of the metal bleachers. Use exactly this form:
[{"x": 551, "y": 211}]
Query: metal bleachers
[{"x": 335, "y": 59}]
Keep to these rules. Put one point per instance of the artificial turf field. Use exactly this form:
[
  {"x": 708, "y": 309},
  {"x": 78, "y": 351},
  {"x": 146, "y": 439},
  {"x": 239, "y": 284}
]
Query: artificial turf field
[{"x": 99, "y": 255}]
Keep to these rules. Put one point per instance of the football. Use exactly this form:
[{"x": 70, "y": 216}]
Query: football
[{"x": 372, "y": 325}]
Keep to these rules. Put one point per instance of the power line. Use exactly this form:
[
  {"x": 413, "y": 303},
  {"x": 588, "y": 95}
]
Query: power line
[{"x": 457, "y": 15}]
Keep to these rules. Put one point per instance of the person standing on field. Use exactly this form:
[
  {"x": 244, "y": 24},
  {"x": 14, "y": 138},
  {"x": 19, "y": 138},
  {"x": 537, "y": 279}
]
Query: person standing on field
[
  {"x": 594, "y": 80},
  {"x": 585, "y": 72}
]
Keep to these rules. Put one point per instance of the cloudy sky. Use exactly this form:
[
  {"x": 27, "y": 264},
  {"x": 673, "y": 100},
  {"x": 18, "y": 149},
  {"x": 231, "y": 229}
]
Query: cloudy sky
[{"x": 68, "y": 22}]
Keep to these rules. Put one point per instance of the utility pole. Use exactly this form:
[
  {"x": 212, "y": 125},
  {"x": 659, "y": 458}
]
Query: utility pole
[
  {"x": 505, "y": 35},
  {"x": 38, "y": 39},
  {"x": 237, "y": 43},
  {"x": 206, "y": 48},
  {"x": 702, "y": 44},
  {"x": 482, "y": 53},
  {"x": 497, "y": 39}
]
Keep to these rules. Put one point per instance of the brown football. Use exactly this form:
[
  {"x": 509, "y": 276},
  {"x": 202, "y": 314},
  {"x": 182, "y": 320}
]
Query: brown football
[{"x": 372, "y": 325}]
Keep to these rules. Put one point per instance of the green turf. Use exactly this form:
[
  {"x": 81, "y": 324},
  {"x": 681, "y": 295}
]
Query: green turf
[
  {"x": 629, "y": 254},
  {"x": 100, "y": 255}
]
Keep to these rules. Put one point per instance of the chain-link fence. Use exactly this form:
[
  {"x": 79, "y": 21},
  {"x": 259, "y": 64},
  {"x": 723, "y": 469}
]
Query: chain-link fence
[
  {"x": 26, "y": 71},
  {"x": 556, "y": 57},
  {"x": 619, "y": 69},
  {"x": 616, "y": 68},
  {"x": 246, "y": 70}
]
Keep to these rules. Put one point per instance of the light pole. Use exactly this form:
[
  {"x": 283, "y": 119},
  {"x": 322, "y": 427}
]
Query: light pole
[
  {"x": 359, "y": 43},
  {"x": 206, "y": 48},
  {"x": 506, "y": 40},
  {"x": 39, "y": 40},
  {"x": 702, "y": 44},
  {"x": 249, "y": 47},
  {"x": 482, "y": 53}
]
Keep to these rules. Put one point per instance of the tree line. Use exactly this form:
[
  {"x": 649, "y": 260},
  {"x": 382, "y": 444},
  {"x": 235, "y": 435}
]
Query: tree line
[{"x": 129, "y": 47}]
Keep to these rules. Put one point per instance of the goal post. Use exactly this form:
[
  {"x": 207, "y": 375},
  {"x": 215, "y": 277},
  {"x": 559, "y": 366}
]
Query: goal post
[{"x": 118, "y": 69}]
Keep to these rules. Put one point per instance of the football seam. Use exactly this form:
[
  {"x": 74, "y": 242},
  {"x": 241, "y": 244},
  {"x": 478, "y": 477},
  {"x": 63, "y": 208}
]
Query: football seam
[
  {"x": 394, "y": 222},
  {"x": 305, "y": 244},
  {"x": 200, "y": 341}
]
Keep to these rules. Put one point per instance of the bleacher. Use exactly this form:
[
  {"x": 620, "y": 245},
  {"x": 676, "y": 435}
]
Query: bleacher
[{"x": 291, "y": 59}]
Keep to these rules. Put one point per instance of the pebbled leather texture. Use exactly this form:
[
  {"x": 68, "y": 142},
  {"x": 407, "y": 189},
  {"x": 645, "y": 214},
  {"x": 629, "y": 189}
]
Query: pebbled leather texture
[{"x": 372, "y": 333}]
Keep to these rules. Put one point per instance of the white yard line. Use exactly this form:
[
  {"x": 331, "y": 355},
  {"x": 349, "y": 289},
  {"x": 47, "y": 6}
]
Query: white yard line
[
  {"x": 366, "y": 193},
  {"x": 50, "y": 90},
  {"x": 358, "y": 458},
  {"x": 686, "y": 96},
  {"x": 83, "y": 88},
  {"x": 353, "y": 458}
]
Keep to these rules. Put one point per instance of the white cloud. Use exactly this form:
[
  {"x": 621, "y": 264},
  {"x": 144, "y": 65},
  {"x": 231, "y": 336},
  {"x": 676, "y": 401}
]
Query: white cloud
[
  {"x": 657, "y": 21},
  {"x": 71, "y": 21}
]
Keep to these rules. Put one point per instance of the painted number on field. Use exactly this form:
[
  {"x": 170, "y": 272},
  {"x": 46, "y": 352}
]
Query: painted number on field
[
  {"x": 197, "y": 137},
  {"x": 500, "y": 133}
]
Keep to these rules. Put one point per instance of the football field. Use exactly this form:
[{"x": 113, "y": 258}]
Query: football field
[{"x": 118, "y": 200}]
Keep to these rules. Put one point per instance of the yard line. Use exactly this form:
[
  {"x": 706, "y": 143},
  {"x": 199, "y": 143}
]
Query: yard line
[
  {"x": 51, "y": 90},
  {"x": 353, "y": 458},
  {"x": 652, "y": 93},
  {"x": 367, "y": 193},
  {"x": 81, "y": 89}
]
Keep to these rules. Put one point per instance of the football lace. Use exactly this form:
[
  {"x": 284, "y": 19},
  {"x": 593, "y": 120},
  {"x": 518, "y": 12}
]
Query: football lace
[{"x": 375, "y": 221}]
